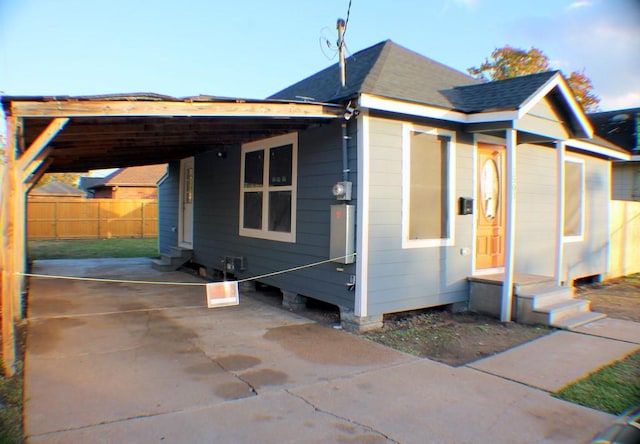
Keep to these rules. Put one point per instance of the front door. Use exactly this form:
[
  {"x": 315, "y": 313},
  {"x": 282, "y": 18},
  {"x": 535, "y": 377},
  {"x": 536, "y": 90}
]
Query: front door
[
  {"x": 185, "y": 223},
  {"x": 490, "y": 206}
]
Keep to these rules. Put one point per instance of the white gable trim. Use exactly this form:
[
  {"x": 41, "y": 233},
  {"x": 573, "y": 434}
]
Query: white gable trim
[
  {"x": 593, "y": 148},
  {"x": 557, "y": 81}
]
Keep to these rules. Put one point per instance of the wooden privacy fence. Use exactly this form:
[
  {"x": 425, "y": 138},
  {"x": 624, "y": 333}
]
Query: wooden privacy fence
[
  {"x": 68, "y": 218},
  {"x": 624, "y": 238}
]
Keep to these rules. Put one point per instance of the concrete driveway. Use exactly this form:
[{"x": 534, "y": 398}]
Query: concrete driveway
[{"x": 148, "y": 364}]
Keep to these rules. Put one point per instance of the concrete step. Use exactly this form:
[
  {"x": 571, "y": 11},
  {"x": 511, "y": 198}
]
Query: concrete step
[
  {"x": 578, "y": 320},
  {"x": 553, "y": 313},
  {"x": 162, "y": 264},
  {"x": 180, "y": 252},
  {"x": 536, "y": 298},
  {"x": 533, "y": 283},
  {"x": 176, "y": 258}
]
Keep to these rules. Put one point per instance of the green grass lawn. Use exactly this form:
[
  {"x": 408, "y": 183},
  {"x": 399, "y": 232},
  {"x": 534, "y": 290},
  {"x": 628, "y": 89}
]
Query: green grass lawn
[
  {"x": 92, "y": 248},
  {"x": 612, "y": 389}
]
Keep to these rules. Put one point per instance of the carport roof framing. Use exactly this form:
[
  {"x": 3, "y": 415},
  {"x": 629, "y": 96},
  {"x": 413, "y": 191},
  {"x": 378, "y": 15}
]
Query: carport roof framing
[{"x": 76, "y": 134}]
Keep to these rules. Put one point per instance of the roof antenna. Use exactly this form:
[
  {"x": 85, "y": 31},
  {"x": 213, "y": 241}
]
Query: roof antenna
[{"x": 343, "y": 68}]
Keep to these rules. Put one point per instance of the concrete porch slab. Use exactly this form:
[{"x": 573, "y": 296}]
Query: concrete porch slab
[
  {"x": 556, "y": 360},
  {"x": 618, "y": 329}
]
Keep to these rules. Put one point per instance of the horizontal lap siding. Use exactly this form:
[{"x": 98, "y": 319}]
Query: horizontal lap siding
[
  {"x": 168, "y": 209},
  {"x": 536, "y": 210},
  {"x": 216, "y": 214},
  {"x": 589, "y": 256},
  {"x": 403, "y": 279}
]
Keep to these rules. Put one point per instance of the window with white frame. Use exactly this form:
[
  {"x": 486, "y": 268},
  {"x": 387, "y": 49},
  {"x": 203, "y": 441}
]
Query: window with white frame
[
  {"x": 268, "y": 181},
  {"x": 427, "y": 187},
  {"x": 573, "y": 199}
]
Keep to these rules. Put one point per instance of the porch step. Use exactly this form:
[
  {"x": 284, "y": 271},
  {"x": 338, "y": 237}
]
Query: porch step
[
  {"x": 176, "y": 258},
  {"x": 579, "y": 320},
  {"x": 554, "y": 306},
  {"x": 537, "y": 300},
  {"x": 553, "y": 313},
  {"x": 540, "y": 296}
]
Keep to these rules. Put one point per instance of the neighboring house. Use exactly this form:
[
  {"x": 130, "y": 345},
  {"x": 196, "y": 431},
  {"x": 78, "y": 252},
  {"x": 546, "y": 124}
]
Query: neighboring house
[
  {"x": 622, "y": 127},
  {"x": 55, "y": 189},
  {"x": 438, "y": 178},
  {"x": 138, "y": 182}
]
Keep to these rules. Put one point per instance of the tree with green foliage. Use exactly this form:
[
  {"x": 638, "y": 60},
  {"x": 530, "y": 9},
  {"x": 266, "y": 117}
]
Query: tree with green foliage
[{"x": 507, "y": 62}]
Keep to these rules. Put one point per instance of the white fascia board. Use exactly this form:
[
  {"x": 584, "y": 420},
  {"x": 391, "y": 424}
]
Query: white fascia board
[
  {"x": 593, "y": 148},
  {"x": 635, "y": 158},
  {"x": 496, "y": 116},
  {"x": 414, "y": 109}
]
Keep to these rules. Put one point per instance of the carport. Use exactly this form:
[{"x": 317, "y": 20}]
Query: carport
[{"x": 76, "y": 134}]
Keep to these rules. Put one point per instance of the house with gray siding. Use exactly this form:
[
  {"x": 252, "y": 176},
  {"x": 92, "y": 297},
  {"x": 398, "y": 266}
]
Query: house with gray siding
[
  {"x": 622, "y": 127},
  {"x": 434, "y": 188}
]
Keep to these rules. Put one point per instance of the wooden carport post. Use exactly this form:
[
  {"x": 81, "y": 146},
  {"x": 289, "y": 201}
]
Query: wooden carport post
[
  {"x": 16, "y": 180},
  {"x": 7, "y": 253}
]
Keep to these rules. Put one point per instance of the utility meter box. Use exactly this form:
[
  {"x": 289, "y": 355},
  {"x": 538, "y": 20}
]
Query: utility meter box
[{"x": 343, "y": 233}]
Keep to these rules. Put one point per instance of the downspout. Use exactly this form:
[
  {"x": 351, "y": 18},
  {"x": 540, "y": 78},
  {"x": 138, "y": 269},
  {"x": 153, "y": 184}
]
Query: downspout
[
  {"x": 345, "y": 153},
  {"x": 341, "y": 25}
]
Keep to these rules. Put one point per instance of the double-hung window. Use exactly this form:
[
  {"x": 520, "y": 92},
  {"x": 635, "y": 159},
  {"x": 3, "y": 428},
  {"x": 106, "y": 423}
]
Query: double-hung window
[
  {"x": 268, "y": 188},
  {"x": 428, "y": 165},
  {"x": 573, "y": 199}
]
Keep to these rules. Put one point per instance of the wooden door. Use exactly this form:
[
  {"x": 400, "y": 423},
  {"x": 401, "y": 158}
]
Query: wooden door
[{"x": 490, "y": 206}]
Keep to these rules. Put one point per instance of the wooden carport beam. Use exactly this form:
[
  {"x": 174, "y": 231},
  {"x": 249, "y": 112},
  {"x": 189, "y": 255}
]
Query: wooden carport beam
[
  {"x": 33, "y": 177},
  {"x": 36, "y": 164},
  {"x": 33, "y": 153},
  {"x": 112, "y": 108}
]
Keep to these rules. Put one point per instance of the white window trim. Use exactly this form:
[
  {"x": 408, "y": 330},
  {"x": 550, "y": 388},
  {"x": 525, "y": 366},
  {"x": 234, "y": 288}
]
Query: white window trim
[
  {"x": 266, "y": 144},
  {"x": 407, "y": 129},
  {"x": 580, "y": 237}
]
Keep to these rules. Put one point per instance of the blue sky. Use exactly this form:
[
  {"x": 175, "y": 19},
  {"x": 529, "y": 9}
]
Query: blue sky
[{"x": 253, "y": 48}]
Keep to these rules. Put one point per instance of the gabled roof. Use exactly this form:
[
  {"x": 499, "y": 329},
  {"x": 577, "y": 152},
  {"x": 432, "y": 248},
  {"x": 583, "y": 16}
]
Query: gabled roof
[
  {"x": 508, "y": 94},
  {"x": 141, "y": 176},
  {"x": 387, "y": 70},
  {"x": 621, "y": 127},
  {"x": 55, "y": 188}
]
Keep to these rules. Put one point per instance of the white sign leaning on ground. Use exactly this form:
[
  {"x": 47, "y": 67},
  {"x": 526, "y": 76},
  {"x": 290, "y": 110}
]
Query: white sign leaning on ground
[{"x": 222, "y": 294}]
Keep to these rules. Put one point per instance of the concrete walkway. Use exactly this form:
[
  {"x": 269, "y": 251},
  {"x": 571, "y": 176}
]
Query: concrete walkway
[{"x": 136, "y": 363}]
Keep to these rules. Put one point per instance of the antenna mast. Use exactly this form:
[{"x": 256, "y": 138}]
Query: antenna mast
[{"x": 343, "y": 69}]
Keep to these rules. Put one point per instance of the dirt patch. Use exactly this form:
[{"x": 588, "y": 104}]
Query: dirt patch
[
  {"x": 617, "y": 298},
  {"x": 452, "y": 338}
]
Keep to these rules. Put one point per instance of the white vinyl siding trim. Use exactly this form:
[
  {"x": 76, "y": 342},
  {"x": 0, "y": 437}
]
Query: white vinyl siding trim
[
  {"x": 266, "y": 189},
  {"x": 574, "y": 200},
  {"x": 447, "y": 194}
]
